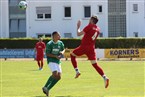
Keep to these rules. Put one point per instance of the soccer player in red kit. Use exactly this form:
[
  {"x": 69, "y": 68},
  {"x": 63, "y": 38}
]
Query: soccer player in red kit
[
  {"x": 39, "y": 50},
  {"x": 87, "y": 47}
]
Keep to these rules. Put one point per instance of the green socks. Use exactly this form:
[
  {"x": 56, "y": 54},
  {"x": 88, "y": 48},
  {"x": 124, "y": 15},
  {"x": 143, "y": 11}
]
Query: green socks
[{"x": 51, "y": 82}]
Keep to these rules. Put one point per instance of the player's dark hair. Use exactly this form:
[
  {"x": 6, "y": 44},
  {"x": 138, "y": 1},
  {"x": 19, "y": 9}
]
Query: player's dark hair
[
  {"x": 55, "y": 32},
  {"x": 95, "y": 19}
]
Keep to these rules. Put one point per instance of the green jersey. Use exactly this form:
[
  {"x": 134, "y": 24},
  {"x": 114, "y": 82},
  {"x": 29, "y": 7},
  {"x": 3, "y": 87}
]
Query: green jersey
[{"x": 54, "y": 48}]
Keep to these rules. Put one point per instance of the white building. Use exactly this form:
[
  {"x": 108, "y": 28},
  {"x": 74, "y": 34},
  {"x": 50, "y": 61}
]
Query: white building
[{"x": 117, "y": 18}]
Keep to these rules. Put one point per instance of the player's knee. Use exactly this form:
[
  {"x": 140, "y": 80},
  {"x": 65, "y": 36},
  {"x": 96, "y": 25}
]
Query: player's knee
[
  {"x": 72, "y": 54},
  {"x": 54, "y": 74},
  {"x": 93, "y": 61},
  {"x": 58, "y": 77}
]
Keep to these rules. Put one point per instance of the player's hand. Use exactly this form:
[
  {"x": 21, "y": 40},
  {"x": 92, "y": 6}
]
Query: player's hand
[
  {"x": 79, "y": 24},
  {"x": 58, "y": 57},
  {"x": 60, "y": 53}
]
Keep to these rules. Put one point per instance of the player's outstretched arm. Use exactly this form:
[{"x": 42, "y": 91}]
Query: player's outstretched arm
[{"x": 79, "y": 32}]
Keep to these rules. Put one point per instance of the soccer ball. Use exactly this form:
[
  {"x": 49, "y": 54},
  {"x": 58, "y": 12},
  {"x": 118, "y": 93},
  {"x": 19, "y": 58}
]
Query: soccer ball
[{"x": 22, "y": 4}]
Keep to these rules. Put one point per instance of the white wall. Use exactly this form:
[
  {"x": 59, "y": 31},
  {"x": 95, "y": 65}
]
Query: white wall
[
  {"x": 136, "y": 20},
  {"x": 4, "y": 30},
  {"x": 58, "y": 22},
  {"x": 100, "y": 53},
  {"x": 103, "y": 17}
]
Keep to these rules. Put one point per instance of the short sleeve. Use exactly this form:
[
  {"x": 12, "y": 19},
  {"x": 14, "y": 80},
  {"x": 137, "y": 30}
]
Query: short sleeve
[
  {"x": 87, "y": 28},
  {"x": 48, "y": 48}
]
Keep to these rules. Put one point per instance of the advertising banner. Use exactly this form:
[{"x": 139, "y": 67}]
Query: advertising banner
[
  {"x": 17, "y": 53},
  {"x": 125, "y": 53}
]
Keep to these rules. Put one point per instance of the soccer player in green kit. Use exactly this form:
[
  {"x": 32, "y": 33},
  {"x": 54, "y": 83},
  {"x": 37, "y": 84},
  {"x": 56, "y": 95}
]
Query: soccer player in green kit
[{"x": 54, "y": 51}]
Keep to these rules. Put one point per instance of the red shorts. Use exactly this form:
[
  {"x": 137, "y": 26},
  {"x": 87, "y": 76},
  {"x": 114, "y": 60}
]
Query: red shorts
[
  {"x": 87, "y": 50},
  {"x": 39, "y": 57}
]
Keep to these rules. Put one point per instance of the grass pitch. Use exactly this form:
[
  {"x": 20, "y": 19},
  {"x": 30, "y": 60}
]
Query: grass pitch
[{"x": 22, "y": 78}]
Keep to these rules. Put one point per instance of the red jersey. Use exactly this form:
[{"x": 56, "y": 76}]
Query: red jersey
[
  {"x": 40, "y": 46},
  {"x": 91, "y": 33}
]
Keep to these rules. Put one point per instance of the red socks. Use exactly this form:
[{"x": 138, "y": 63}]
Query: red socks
[
  {"x": 73, "y": 61},
  {"x": 42, "y": 64},
  {"x": 98, "y": 69},
  {"x": 38, "y": 63}
]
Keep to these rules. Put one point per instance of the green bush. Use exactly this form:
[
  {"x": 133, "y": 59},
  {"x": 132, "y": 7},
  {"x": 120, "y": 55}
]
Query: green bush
[
  {"x": 121, "y": 43},
  {"x": 23, "y": 43}
]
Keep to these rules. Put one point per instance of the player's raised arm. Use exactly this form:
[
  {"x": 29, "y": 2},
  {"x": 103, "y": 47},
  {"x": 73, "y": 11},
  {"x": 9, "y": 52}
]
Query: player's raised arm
[{"x": 79, "y": 32}]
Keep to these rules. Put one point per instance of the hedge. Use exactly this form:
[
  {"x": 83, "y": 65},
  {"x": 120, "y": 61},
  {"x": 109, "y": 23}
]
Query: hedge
[{"x": 23, "y": 43}]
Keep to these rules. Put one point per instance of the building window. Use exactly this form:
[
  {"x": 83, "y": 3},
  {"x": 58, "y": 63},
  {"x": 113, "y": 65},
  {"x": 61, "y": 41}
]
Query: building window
[
  {"x": 22, "y": 25},
  {"x": 43, "y": 35},
  {"x": 17, "y": 20},
  {"x": 135, "y": 34},
  {"x": 117, "y": 22},
  {"x": 17, "y": 25},
  {"x": 13, "y": 2},
  {"x": 47, "y": 16},
  {"x": 40, "y": 16},
  {"x": 67, "y": 35},
  {"x": 135, "y": 7},
  {"x": 87, "y": 11},
  {"x": 100, "y": 9},
  {"x": 47, "y": 35},
  {"x": 67, "y": 12},
  {"x": 13, "y": 25},
  {"x": 43, "y": 12}
]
